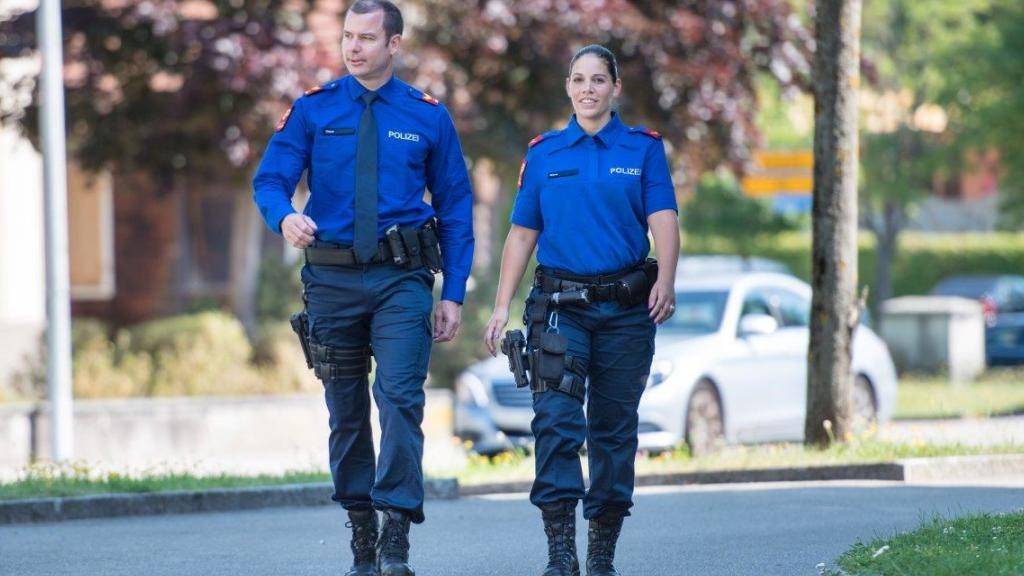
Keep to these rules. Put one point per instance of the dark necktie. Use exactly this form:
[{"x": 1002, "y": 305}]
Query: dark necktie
[{"x": 366, "y": 183}]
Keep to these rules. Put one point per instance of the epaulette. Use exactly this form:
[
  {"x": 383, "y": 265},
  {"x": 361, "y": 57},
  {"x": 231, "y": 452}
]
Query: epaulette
[
  {"x": 284, "y": 120},
  {"x": 539, "y": 137},
  {"x": 320, "y": 88},
  {"x": 647, "y": 131},
  {"x": 423, "y": 96}
]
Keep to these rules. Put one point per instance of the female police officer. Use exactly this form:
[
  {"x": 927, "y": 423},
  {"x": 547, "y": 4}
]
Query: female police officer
[{"x": 587, "y": 195}]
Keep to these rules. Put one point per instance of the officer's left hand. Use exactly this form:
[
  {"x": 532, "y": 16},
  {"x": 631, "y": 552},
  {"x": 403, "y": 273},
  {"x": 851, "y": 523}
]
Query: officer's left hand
[
  {"x": 447, "y": 319},
  {"x": 662, "y": 302}
]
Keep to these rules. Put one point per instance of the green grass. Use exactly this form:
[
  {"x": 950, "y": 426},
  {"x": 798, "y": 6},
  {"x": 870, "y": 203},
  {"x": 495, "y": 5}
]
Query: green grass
[
  {"x": 997, "y": 391},
  {"x": 992, "y": 545},
  {"x": 47, "y": 480},
  {"x": 518, "y": 466}
]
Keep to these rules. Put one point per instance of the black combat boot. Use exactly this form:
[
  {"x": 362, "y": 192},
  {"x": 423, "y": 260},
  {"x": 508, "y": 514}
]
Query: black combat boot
[
  {"x": 560, "y": 527},
  {"x": 601, "y": 539},
  {"x": 364, "y": 537},
  {"x": 393, "y": 546}
]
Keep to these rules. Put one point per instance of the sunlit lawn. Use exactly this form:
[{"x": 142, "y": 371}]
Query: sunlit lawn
[{"x": 997, "y": 391}]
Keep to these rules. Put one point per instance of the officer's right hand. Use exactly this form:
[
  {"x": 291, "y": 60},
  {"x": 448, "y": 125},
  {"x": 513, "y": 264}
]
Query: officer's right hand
[
  {"x": 298, "y": 229},
  {"x": 499, "y": 318}
]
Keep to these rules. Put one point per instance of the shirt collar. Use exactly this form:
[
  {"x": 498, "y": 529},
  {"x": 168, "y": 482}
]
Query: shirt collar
[
  {"x": 388, "y": 90},
  {"x": 607, "y": 135}
]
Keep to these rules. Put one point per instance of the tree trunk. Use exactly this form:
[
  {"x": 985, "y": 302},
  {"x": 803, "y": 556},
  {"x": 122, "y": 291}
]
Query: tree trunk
[
  {"x": 886, "y": 245},
  {"x": 834, "y": 212}
]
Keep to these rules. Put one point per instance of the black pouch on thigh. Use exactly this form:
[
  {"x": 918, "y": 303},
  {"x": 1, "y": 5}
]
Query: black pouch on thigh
[{"x": 548, "y": 360}]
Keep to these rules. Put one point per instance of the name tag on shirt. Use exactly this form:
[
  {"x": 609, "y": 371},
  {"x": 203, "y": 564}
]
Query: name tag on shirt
[
  {"x": 563, "y": 173},
  {"x": 339, "y": 131}
]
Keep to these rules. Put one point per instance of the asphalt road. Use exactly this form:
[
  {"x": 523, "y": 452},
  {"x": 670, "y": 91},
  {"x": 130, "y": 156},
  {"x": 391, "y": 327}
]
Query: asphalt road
[{"x": 777, "y": 529}]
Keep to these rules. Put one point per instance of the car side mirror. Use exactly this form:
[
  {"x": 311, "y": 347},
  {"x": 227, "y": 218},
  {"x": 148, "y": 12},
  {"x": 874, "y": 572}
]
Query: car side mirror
[{"x": 757, "y": 325}]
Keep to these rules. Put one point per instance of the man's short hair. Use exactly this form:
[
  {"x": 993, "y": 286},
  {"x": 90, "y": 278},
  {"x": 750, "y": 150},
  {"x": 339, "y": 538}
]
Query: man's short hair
[{"x": 393, "y": 23}]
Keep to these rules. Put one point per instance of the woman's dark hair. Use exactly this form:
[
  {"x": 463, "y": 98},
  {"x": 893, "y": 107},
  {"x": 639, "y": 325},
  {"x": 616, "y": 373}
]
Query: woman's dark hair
[{"x": 602, "y": 53}]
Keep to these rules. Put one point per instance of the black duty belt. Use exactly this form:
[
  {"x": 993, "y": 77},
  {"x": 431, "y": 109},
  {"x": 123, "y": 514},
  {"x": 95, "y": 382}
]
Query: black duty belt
[
  {"x": 343, "y": 256},
  {"x": 601, "y": 288},
  {"x": 424, "y": 238}
]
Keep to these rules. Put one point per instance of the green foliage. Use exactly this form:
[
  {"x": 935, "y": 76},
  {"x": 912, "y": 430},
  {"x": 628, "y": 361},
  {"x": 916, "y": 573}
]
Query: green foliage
[
  {"x": 900, "y": 41},
  {"x": 279, "y": 291},
  {"x": 720, "y": 210},
  {"x": 192, "y": 354},
  {"x": 898, "y": 167},
  {"x": 990, "y": 544},
  {"x": 168, "y": 90},
  {"x": 203, "y": 353},
  {"x": 923, "y": 259},
  {"x": 982, "y": 76},
  {"x": 785, "y": 117}
]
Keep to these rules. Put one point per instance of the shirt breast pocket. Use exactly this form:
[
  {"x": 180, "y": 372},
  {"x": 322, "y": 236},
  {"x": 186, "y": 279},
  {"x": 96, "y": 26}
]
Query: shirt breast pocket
[
  {"x": 412, "y": 149},
  {"x": 562, "y": 183},
  {"x": 334, "y": 152}
]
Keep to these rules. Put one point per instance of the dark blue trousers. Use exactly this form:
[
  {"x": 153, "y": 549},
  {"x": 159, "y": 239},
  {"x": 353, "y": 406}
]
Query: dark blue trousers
[
  {"x": 618, "y": 344},
  {"x": 388, "y": 308}
]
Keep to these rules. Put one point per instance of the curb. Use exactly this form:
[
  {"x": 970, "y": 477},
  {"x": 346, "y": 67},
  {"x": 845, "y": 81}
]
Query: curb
[
  {"x": 953, "y": 468},
  {"x": 215, "y": 500},
  {"x": 893, "y": 472}
]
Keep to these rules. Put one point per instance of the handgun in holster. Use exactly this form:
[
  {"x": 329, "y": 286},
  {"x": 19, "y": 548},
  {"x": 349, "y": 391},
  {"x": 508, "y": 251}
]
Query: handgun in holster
[
  {"x": 513, "y": 345},
  {"x": 300, "y": 324}
]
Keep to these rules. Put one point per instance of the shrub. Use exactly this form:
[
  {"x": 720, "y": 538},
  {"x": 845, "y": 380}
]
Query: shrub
[
  {"x": 195, "y": 354},
  {"x": 921, "y": 261}
]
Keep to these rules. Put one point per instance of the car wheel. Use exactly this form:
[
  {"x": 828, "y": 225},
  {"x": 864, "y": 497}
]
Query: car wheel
[
  {"x": 705, "y": 431},
  {"x": 865, "y": 410}
]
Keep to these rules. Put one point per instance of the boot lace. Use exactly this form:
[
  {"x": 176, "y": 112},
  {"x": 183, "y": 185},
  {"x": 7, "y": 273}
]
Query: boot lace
[
  {"x": 560, "y": 531},
  {"x": 601, "y": 548},
  {"x": 394, "y": 539},
  {"x": 364, "y": 538}
]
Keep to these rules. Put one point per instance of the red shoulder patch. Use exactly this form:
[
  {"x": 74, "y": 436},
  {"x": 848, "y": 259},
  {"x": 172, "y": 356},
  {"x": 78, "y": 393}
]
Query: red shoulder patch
[
  {"x": 652, "y": 133},
  {"x": 313, "y": 90},
  {"x": 430, "y": 99},
  {"x": 535, "y": 140},
  {"x": 284, "y": 120},
  {"x": 522, "y": 169}
]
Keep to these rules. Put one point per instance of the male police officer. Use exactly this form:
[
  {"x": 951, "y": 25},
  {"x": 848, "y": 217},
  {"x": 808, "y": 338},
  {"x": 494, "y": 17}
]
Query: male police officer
[{"x": 370, "y": 145}]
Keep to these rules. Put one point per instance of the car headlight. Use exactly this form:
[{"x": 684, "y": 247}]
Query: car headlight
[
  {"x": 469, "y": 389},
  {"x": 660, "y": 371}
]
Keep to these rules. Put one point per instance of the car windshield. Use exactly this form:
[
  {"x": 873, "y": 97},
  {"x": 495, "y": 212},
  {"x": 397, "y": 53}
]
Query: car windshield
[{"x": 697, "y": 312}]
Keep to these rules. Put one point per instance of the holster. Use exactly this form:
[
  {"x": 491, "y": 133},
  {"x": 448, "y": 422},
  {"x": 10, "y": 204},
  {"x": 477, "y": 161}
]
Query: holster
[
  {"x": 300, "y": 325},
  {"x": 550, "y": 367}
]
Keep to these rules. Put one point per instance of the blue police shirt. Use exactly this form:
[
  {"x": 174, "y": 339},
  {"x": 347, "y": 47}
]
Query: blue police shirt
[
  {"x": 419, "y": 149},
  {"x": 590, "y": 196}
]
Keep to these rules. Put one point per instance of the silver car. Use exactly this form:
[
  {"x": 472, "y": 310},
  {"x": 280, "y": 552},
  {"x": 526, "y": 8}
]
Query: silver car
[{"x": 729, "y": 367}]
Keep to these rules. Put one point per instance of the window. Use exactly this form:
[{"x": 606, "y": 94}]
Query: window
[
  {"x": 756, "y": 303},
  {"x": 792, "y": 309}
]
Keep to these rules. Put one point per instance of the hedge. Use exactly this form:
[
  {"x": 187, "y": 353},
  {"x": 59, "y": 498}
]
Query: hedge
[{"x": 922, "y": 260}]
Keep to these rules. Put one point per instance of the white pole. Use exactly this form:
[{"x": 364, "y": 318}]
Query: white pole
[{"x": 58, "y": 306}]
